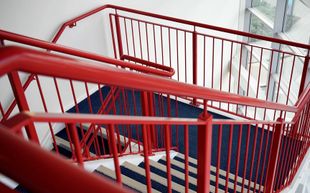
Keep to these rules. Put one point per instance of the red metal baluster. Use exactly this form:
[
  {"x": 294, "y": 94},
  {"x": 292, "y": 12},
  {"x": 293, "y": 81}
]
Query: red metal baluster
[
  {"x": 168, "y": 164},
  {"x": 114, "y": 153},
  {"x": 146, "y": 159},
  {"x": 76, "y": 143},
  {"x": 186, "y": 151},
  {"x": 274, "y": 151},
  {"x": 218, "y": 161},
  {"x": 195, "y": 55},
  {"x": 228, "y": 156}
]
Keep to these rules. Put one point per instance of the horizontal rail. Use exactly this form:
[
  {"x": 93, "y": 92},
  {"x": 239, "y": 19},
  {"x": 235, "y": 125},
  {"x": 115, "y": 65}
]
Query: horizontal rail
[
  {"x": 15, "y": 59},
  {"x": 24, "y": 118},
  {"x": 162, "y": 71},
  {"x": 173, "y": 19}
]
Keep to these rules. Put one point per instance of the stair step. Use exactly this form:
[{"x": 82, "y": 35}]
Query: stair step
[
  {"x": 162, "y": 180},
  {"x": 193, "y": 168},
  {"x": 136, "y": 185}
]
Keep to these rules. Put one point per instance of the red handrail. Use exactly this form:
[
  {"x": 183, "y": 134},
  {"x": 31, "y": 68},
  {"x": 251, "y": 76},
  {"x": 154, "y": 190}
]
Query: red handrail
[
  {"x": 15, "y": 59},
  {"x": 164, "y": 70},
  {"x": 41, "y": 173},
  {"x": 73, "y": 21}
]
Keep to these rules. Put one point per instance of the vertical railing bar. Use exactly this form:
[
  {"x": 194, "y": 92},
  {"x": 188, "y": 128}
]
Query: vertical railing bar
[
  {"x": 115, "y": 154},
  {"x": 168, "y": 162},
  {"x": 147, "y": 42},
  {"x": 113, "y": 37},
  {"x": 239, "y": 74},
  {"x": 126, "y": 36},
  {"x": 249, "y": 77},
  {"x": 283, "y": 153},
  {"x": 246, "y": 157},
  {"x": 141, "y": 52},
  {"x": 195, "y": 60},
  {"x": 212, "y": 71},
  {"x": 186, "y": 154},
  {"x": 290, "y": 84},
  {"x": 62, "y": 110},
  {"x": 185, "y": 55},
  {"x": 169, "y": 40},
  {"x": 259, "y": 155},
  {"x": 230, "y": 69},
  {"x": 238, "y": 157},
  {"x": 204, "y": 61},
  {"x": 45, "y": 109},
  {"x": 146, "y": 159},
  {"x": 259, "y": 73},
  {"x": 279, "y": 84},
  {"x": 133, "y": 39},
  {"x": 102, "y": 141},
  {"x": 177, "y": 44},
  {"x": 76, "y": 143},
  {"x": 269, "y": 79},
  {"x": 221, "y": 69},
  {"x": 162, "y": 46},
  {"x": 88, "y": 98},
  {"x": 219, "y": 144},
  {"x": 154, "y": 39},
  {"x": 264, "y": 159},
  {"x": 253, "y": 157},
  {"x": 228, "y": 157}
]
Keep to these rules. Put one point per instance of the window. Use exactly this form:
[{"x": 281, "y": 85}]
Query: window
[
  {"x": 267, "y": 7},
  {"x": 297, "y": 20}
]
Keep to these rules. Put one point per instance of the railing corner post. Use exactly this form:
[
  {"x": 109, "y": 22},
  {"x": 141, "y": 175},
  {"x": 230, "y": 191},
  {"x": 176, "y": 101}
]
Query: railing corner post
[
  {"x": 204, "y": 154},
  {"x": 274, "y": 152}
]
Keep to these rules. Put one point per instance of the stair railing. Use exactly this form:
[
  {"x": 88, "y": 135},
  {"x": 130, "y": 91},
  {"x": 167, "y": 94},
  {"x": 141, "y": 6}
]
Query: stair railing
[
  {"x": 200, "y": 47},
  {"x": 15, "y": 59}
]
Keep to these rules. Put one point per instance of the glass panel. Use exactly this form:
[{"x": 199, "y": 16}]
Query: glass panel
[
  {"x": 297, "y": 20},
  {"x": 259, "y": 27},
  {"x": 268, "y": 7}
]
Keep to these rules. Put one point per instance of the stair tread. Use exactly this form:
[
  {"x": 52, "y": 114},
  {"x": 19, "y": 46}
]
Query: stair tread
[
  {"x": 125, "y": 179},
  {"x": 213, "y": 169},
  {"x": 155, "y": 177}
]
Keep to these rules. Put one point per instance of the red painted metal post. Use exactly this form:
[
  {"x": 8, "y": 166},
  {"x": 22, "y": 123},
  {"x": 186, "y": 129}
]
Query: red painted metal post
[
  {"x": 22, "y": 104},
  {"x": 115, "y": 153},
  {"x": 146, "y": 160},
  {"x": 76, "y": 143},
  {"x": 304, "y": 74},
  {"x": 195, "y": 63},
  {"x": 204, "y": 154},
  {"x": 119, "y": 36},
  {"x": 274, "y": 155},
  {"x": 145, "y": 111}
]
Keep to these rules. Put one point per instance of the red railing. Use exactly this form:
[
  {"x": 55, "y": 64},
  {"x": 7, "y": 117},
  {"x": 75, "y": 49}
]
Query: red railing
[
  {"x": 156, "y": 44},
  {"x": 280, "y": 137},
  {"x": 209, "y": 56}
]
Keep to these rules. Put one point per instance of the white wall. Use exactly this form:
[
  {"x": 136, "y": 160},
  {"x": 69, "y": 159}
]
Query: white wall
[{"x": 41, "y": 19}]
